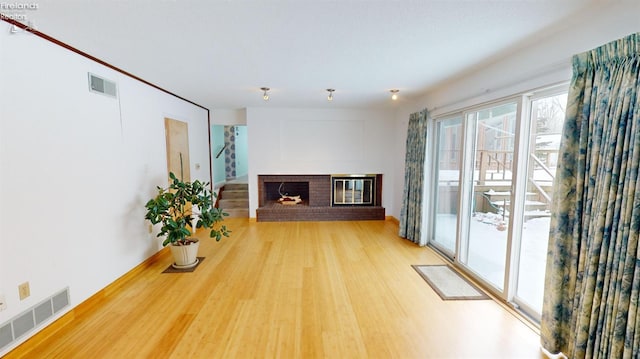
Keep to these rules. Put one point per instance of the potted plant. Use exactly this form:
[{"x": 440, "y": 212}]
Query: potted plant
[{"x": 177, "y": 207}]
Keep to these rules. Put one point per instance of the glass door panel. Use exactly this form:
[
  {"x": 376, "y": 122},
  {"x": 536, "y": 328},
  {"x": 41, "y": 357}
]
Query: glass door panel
[
  {"x": 448, "y": 163},
  {"x": 547, "y": 118},
  {"x": 489, "y": 194}
]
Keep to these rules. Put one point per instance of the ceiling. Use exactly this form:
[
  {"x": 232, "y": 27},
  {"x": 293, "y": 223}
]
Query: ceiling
[{"x": 218, "y": 53}]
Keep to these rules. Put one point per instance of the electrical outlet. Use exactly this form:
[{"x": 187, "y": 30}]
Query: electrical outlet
[
  {"x": 24, "y": 291},
  {"x": 150, "y": 228},
  {"x": 3, "y": 303}
]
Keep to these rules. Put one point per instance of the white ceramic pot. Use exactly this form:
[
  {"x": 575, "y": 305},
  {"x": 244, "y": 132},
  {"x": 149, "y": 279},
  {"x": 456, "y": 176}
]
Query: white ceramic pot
[{"x": 185, "y": 256}]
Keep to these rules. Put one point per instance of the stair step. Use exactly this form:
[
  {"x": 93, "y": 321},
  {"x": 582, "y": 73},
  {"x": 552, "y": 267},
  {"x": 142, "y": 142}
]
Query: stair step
[
  {"x": 526, "y": 203},
  {"x": 236, "y": 186},
  {"x": 234, "y": 200},
  {"x": 233, "y": 203},
  {"x": 227, "y": 194}
]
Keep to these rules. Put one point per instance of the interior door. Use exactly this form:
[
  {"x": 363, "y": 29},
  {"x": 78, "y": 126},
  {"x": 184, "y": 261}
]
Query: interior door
[{"x": 177, "y": 136}]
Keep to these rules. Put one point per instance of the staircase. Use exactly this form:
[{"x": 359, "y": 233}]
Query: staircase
[
  {"x": 533, "y": 208},
  {"x": 234, "y": 200}
]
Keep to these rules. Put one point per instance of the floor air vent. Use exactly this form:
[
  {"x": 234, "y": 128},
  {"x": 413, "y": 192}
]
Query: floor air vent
[
  {"x": 103, "y": 86},
  {"x": 32, "y": 318}
]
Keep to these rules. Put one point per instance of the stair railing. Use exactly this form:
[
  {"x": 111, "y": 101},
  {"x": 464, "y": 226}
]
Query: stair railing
[
  {"x": 533, "y": 181},
  {"x": 492, "y": 156}
]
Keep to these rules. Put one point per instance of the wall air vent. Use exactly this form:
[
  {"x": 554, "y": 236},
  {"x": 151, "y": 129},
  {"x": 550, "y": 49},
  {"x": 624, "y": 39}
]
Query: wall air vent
[
  {"x": 103, "y": 86},
  {"x": 32, "y": 319}
]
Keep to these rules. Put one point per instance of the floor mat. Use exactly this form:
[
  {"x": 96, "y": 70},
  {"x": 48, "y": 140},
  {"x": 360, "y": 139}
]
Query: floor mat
[{"x": 448, "y": 283}]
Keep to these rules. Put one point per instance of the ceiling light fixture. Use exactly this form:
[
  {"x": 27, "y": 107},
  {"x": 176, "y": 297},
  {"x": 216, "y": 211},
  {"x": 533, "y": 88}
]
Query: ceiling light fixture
[
  {"x": 394, "y": 94},
  {"x": 330, "y": 97},
  {"x": 265, "y": 96}
]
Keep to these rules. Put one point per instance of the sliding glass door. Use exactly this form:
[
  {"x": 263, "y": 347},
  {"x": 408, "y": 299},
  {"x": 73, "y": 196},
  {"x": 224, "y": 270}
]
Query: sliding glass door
[
  {"x": 545, "y": 130},
  {"x": 448, "y": 161},
  {"x": 489, "y": 211},
  {"x": 488, "y": 191}
]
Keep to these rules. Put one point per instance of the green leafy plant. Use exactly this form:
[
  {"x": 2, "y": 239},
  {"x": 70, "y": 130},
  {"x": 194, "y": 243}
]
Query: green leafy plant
[{"x": 178, "y": 205}]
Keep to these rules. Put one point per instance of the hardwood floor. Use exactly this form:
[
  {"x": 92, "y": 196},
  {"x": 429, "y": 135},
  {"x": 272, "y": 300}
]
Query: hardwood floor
[{"x": 290, "y": 290}]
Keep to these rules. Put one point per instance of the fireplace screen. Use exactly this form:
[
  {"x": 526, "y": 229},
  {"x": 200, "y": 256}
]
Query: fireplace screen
[{"x": 351, "y": 190}]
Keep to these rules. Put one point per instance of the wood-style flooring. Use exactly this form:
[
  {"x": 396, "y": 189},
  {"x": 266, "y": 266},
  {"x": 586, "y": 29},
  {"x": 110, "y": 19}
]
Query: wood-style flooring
[{"x": 290, "y": 290}]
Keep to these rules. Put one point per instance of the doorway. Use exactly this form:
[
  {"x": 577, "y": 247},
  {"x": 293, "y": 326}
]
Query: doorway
[{"x": 229, "y": 152}]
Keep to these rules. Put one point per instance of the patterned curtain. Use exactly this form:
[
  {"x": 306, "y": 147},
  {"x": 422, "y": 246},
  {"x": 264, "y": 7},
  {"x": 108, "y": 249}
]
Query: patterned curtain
[
  {"x": 592, "y": 283},
  {"x": 411, "y": 212}
]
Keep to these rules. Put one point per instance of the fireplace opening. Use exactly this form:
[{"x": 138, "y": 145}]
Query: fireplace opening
[
  {"x": 274, "y": 191},
  {"x": 353, "y": 190}
]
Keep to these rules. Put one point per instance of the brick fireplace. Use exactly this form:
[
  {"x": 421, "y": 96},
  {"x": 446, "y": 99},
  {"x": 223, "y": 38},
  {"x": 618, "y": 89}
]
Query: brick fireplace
[{"x": 315, "y": 191}]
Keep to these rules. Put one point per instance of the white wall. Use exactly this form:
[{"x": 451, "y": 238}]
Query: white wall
[
  {"x": 229, "y": 117},
  {"x": 320, "y": 141},
  {"x": 76, "y": 170},
  {"x": 539, "y": 62},
  {"x": 400, "y": 139}
]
